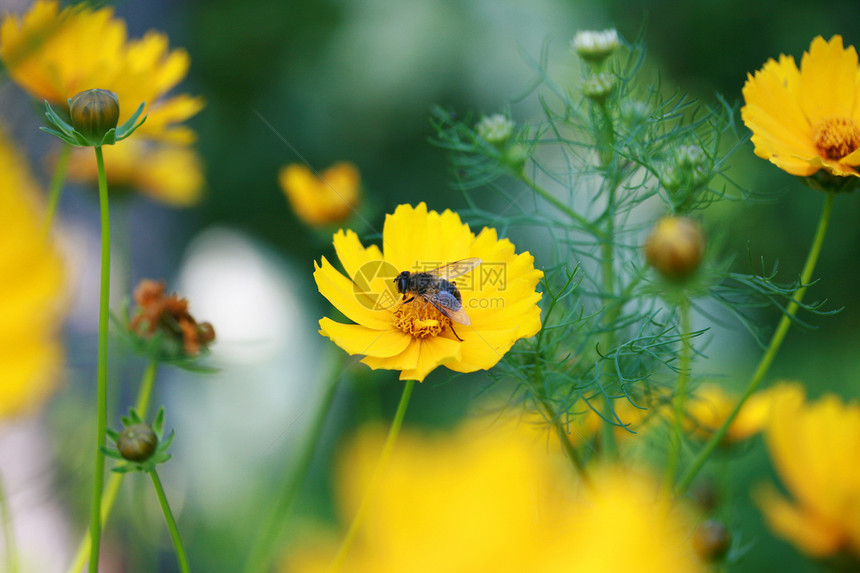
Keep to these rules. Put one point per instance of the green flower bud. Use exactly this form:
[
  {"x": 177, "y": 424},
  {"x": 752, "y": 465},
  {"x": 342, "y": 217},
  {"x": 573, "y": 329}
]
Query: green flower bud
[
  {"x": 686, "y": 175},
  {"x": 593, "y": 46},
  {"x": 675, "y": 247},
  {"x": 137, "y": 442},
  {"x": 496, "y": 129},
  {"x": 712, "y": 540},
  {"x": 94, "y": 113},
  {"x": 515, "y": 157},
  {"x": 598, "y": 87}
]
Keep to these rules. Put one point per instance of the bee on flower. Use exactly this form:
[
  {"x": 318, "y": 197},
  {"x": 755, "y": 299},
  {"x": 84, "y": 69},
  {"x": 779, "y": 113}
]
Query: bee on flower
[{"x": 412, "y": 336}]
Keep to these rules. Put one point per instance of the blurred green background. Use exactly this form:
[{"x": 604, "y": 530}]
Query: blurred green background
[{"x": 354, "y": 80}]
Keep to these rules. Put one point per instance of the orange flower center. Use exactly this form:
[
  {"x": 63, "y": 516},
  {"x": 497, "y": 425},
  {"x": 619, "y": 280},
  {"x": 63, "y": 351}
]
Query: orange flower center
[
  {"x": 420, "y": 319},
  {"x": 837, "y": 137}
]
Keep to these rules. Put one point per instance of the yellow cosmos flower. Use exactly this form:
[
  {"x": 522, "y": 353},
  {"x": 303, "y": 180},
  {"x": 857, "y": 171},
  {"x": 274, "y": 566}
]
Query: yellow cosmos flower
[
  {"x": 807, "y": 119},
  {"x": 711, "y": 405},
  {"x": 55, "y": 54},
  {"x": 32, "y": 281},
  {"x": 323, "y": 200},
  {"x": 816, "y": 450},
  {"x": 414, "y": 337},
  {"x": 499, "y": 502},
  {"x": 171, "y": 174}
]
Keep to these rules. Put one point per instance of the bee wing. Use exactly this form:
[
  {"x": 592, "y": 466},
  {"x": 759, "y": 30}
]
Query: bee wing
[
  {"x": 455, "y": 269},
  {"x": 448, "y": 305}
]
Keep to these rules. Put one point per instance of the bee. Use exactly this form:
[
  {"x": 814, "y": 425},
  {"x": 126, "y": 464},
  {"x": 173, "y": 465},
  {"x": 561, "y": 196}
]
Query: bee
[{"x": 438, "y": 288}]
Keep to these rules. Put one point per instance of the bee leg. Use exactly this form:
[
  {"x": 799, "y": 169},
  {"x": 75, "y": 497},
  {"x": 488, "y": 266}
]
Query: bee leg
[
  {"x": 455, "y": 332},
  {"x": 407, "y": 301}
]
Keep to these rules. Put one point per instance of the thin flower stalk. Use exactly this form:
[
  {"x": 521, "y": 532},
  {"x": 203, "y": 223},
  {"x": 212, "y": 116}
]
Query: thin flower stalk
[
  {"x": 181, "y": 556},
  {"x": 772, "y": 349},
  {"x": 393, "y": 432},
  {"x": 680, "y": 400},
  {"x": 104, "y": 316},
  {"x": 610, "y": 312},
  {"x": 111, "y": 491},
  {"x": 549, "y": 410}
]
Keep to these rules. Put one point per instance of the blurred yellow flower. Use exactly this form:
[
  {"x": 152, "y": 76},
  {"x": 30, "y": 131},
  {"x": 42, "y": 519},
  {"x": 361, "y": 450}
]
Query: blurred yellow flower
[
  {"x": 414, "y": 337},
  {"x": 324, "y": 199},
  {"x": 709, "y": 407},
  {"x": 816, "y": 450},
  {"x": 491, "y": 499},
  {"x": 807, "y": 119},
  {"x": 32, "y": 274},
  {"x": 171, "y": 174},
  {"x": 55, "y": 54}
]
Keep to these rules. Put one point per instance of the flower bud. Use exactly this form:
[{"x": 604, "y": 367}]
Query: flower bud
[
  {"x": 598, "y": 87},
  {"x": 515, "y": 157},
  {"x": 675, "y": 247},
  {"x": 593, "y": 46},
  {"x": 712, "y": 540},
  {"x": 206, "y": 333},
  {"x": 137, "y": 442},
  {"x": 94, "y": 113},
  {"x": 496, "y": 129}
]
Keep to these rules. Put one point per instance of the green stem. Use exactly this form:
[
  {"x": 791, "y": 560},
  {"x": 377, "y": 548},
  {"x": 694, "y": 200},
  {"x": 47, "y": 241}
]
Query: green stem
[
  {"x": 56, "y": 188},
  {"x": 144, "y": 394},
  {"x": 770, "y": 353},
  {"x": 12, "y": 562},
  {"x": 538, "y": 390},
  {"x": 611, "y": 308},
  {"x": 564, "y": 438},
  {"x": 680, "y": 394},
  {"x": 549, "y": 198},
  {"x": 266, "y": 542},
  {"x": 101, "y": 399},
  {"x": 171, "y": 523},
  {"x": 112, "y": 490},
  {"x": 374, "y": 480}
]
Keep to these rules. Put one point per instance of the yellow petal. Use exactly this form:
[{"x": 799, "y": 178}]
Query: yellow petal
[
  {"x": 806, "y": 531},
  {"x": 433, "y": 352},
  {"x": 414, "y": 239},
  {"x": 357, "y": 339},
  {"x": 828, "y": 80},
  {"x": 353, "y": 256},
  {"x": 482, "y": 349},
  {"x": 406, "y": 360},
  {"x": 341, "y": 292},
  {"x": 781, "y": 131}
]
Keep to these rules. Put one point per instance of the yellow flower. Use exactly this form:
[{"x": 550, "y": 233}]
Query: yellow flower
[
  {"x": 489, "y": 498},
  {"x": 807, "y": 119},
  {"x": 329, "y": 198},
  {"x": 55, "y": 54},
  {"x": 711, "y": 405},
  {"x": 32, "y": 281},
  {"x": 171, "y": 174},
  {"x": 816, "y": 450},
  {"x": 414, "y": 337},
  {"x": 624, "y": 523}
]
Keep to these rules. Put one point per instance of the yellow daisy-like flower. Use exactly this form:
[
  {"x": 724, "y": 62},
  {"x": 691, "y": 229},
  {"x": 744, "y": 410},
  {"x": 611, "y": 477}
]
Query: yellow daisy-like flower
[
  {"x": 171, "y": 174},
  {"x": 324, "y": 199},
  {"x": 55, "y": 54},
  {"x": 816, "y": 450},
  {"x": 33, "y": 280},
  {"x": 807, "y": 119},
  {"x": 414, "y": 336},
  {"x": 500, "y": 502},
  {"x": 711, "y": 405}
]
